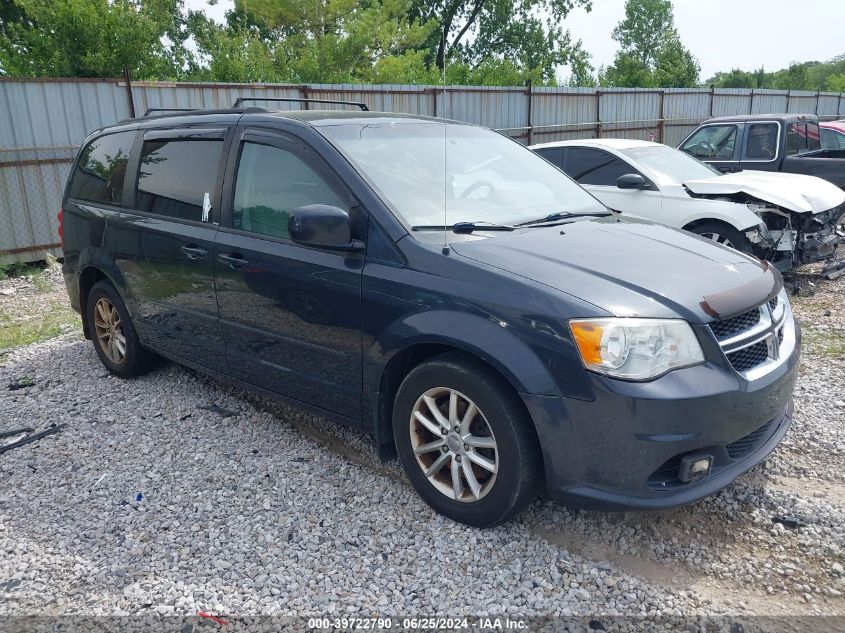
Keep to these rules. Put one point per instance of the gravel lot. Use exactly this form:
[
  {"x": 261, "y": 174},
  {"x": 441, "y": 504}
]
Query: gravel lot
[{"x": 174, "y": 494}]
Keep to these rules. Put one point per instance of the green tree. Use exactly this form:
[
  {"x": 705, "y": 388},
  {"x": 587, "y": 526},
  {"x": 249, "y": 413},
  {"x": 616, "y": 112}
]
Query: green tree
[
  {"x": 812, "y": 76},
  {"x": 836, "y": 83},
  {"x": 483, "y": 33},
  {"x": 93, "y": 38},
  {"x": 642, "y": 32},
  {"x": 312, "y": 41},
  {"x": 736, "y": 78},
  {"x": 627, "y": 71},
  {"x": 651, "y": 53},
  {"x": 675, "y": 66}
]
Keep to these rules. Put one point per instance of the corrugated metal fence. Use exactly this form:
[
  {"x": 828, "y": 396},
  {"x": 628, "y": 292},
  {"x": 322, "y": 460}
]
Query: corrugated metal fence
[{"x": 42, "y": 122}]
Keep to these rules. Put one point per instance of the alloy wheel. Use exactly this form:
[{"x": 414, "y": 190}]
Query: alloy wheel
[
  {"x": 719, "y": 239},
  {"x": 454, "y": 444},
  {"x": 109, "y": 331}
]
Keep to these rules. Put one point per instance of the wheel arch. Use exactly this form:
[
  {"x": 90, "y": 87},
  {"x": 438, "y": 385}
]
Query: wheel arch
[
  {"x": 731, "y": 214},
  {"x": 696, "y": 224},
  {"x": 476, "y": 338},
  {"x": 89, "y": 275}
]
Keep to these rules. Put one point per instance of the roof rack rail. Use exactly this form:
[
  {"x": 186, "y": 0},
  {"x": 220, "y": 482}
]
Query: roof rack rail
[
  {"x": 357, "y": 104},
  {"x": 154, "y": 110}
]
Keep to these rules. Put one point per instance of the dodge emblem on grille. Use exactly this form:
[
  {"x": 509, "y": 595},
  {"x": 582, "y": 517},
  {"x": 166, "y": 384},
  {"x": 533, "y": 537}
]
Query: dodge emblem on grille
[{"x": 774, "y": 346}]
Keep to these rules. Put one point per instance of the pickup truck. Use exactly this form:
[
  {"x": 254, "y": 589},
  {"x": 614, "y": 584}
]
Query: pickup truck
[{"x": 766, "y": 142}]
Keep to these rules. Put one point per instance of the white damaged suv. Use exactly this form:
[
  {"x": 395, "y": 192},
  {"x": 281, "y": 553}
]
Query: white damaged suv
[{"x": 788, "y": 219}]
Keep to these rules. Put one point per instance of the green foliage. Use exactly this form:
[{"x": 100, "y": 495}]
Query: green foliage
[
  {"x": 811, "y": 76},
  {"x": 642, "y": 32},
  {"x": 675, "y": 66},
  {"x": 397, "y": 41},
  {"x": 651, "y": 52},
  {"x": 93, "y": 38},
  {"x": 312, "y": 41},
  {"x": 627, "y": 71},
  {"x": 835, "y": 83}
]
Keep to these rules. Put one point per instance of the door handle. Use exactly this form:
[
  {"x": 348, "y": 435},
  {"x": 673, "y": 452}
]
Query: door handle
[
  {"x": 236, "y": 261},
  {"x": 192, "y": 251}
]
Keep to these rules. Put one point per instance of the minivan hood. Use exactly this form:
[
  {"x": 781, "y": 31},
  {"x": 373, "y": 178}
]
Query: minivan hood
[
  {"x": 795, "y": 192},
  {"x": 630, "y": 267}
]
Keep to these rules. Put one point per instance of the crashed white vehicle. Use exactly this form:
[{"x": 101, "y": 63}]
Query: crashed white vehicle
[{"x": 788, "y": 219}]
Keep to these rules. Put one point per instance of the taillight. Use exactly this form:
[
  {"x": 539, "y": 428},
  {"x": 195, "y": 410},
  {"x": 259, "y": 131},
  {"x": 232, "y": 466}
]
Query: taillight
[{"x": 61, "y": 217}]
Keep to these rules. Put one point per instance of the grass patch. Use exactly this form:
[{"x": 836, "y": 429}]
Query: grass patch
[
  {"x": 829, "y": 343},
  {"x": 42, "y": 282},
  {"x": 25, "y": 329},
  {"x": 19, "y": 269}
]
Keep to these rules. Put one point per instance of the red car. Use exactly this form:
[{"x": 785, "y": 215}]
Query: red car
[{"x": 833, "y": 134}]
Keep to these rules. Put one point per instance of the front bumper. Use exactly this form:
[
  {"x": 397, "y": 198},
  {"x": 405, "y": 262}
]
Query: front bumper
[{"x": 623, "y": 449}]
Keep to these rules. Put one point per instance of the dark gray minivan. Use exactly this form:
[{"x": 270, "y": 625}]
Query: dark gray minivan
[{"x": 440, "y": 287}]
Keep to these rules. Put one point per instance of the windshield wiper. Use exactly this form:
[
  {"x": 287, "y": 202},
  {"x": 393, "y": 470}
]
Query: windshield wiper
[
  {"x": 563, "y": 215},
  {"x": 466, "y": 227}
]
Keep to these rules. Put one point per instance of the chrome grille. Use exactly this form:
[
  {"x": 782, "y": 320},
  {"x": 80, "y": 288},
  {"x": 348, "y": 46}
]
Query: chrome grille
[
  {"x": 735, "y": 325},
  {"x": 756, "y": 341},
  {"x": 749, "y": 357}
]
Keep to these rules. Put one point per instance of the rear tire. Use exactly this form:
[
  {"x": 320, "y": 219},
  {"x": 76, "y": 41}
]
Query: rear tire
[
  {"x": 114, "y": 335},
  {"x": 725, "y": 235},
  {"x": 466, "y": 443}
]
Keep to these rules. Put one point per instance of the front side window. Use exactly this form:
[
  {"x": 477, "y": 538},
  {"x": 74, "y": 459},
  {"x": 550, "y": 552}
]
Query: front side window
[
  {"x": 762, "y": 141},
  {"x": 271, "y": 182},
  {"x": 712, "y": 142},
  {"x": 101, "y": 169},
  {"x": 436, "y": 174},
  {"x": 176, "y": 177},
  {"x": 594, "y": 167},
  {"x": 665, "y": 165}
]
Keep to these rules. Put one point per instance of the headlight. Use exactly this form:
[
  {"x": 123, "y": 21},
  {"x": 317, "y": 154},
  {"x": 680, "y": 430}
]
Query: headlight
[
  {"x": 636, "y": 349},
  {"x": 758, "y": 234}
]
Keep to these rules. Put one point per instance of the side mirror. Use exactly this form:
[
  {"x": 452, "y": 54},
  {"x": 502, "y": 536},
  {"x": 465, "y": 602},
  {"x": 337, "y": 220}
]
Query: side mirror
[
  {"x": 631, "y": 181},
  {"x": 323, "y": 226}
]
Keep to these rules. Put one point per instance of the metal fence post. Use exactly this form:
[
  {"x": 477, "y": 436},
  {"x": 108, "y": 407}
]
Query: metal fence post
[
  {"x": 129, "y": 98},
  {"x": 751, "y": 105},
  {"x": 712, "y": 97},
  {"x": 530, "y": 124},
  {"x": 598, "y": 113},
  {"x": 662, "y": 117}
]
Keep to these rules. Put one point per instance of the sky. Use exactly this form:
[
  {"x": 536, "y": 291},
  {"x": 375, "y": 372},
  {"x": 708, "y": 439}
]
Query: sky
[{"x": 722, "y": 34}]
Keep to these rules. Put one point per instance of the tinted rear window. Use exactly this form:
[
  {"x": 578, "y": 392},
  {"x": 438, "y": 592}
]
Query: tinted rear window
[
  {"x": 101, "y": 169},
  {"x": 175, "y": 175}
]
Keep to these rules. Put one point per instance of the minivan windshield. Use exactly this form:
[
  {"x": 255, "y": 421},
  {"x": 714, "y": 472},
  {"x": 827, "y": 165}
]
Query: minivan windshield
[
  {"x": 436, "y": 174},
  {"x": 668, "y": 166}
]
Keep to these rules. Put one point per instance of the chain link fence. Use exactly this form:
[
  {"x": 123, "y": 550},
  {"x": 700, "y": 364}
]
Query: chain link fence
[{"x": 31, "y": 179}]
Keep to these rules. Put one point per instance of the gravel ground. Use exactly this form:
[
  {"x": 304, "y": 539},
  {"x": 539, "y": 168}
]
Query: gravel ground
[{"x": 173, "y": 494}]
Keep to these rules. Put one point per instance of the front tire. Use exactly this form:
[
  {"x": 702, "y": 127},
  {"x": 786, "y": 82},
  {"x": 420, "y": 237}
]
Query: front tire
[
  {"x": 466, "y": 443},
  {"x": 725, "y": 235},
  {"x": 113, "y": 334}
]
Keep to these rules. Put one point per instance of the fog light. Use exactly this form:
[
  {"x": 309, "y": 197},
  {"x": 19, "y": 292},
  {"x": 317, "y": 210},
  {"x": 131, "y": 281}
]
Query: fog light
[{"x": 694, "y": 466}]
